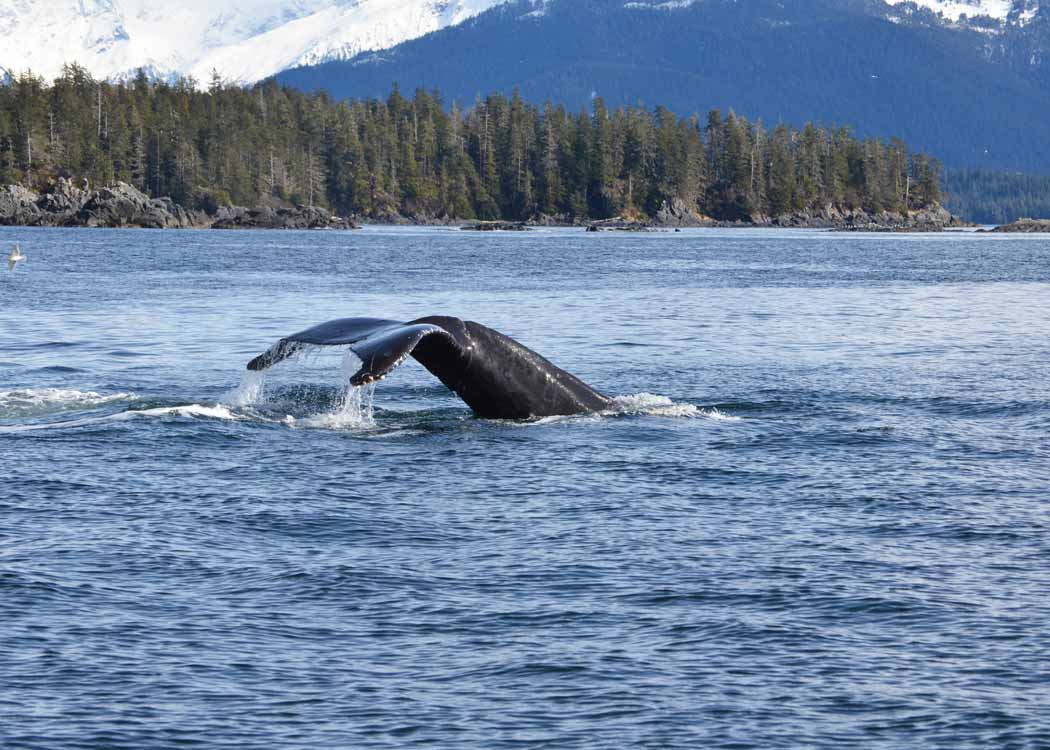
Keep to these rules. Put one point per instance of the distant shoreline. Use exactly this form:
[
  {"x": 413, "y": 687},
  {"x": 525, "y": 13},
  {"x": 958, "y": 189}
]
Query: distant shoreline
[
  {"x": 467, "y": 229},
  {"x": 122, "y": 205}
]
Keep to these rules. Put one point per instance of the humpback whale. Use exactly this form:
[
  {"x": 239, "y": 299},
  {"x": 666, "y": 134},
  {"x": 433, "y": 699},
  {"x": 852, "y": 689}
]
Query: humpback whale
[{"x": 495, "y": 375}]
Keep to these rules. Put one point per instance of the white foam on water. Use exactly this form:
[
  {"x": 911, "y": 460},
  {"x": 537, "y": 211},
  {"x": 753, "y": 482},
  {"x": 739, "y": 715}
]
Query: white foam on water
[
  {"x": 553, "y": 420},
  {"x": 352, "y": 410},
  {"x": 637, "y": 404},
  {"x": 715, "y": 413},
  {"x": 189, "y": 410},
  {"x": 218, "y": 411},
  {"x": 661, "y": 406},
  {"x": 37, "y": 401}
]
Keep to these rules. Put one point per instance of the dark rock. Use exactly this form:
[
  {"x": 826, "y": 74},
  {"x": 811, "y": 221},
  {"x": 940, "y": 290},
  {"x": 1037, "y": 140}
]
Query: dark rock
[
  {"x": 65, "y": 205},
  {"x": 123, "y": 205},
  {"x": 618, "y": 224},
  {"x": 63, "y": 199},
  {"x": 933, "y": 218},
  {"x": 496, "y": 226},
  {"x": 678, "y": 214},
  {"x": 18, "y": 206},
  {"x": 1025, "y": 226},
  {"x": 269, "y": 217}
]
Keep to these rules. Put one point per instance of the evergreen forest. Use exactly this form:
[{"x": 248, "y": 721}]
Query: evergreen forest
[
  {"x": 419, "y": 157},
  {"x": 990, "y": 197}
]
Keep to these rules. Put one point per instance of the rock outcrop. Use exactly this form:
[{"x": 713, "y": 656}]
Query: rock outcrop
[
  {"x": 267, "y": 217},
  {"x": 618, "y": 224},
  {"x": 65, "y": 205},
  {"x": 929, "y": 219},
  {"x": 677, "y": 213},
  {"x": 122, "y": 205},
  {"x": 1024, "y": 226},
  {"x": 18, "y": 206},
  {"x": 496, "y": 226}
]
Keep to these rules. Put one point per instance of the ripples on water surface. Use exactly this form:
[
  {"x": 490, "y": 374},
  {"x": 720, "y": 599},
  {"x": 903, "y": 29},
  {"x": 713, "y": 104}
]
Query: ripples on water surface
[{"x": 817, "y": 518}]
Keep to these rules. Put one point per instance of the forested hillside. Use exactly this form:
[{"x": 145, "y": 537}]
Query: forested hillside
[
  {"x": 416, "y": 157},
  {"x": 977, "y": 98},
  {"x": 998, "y": 197}
]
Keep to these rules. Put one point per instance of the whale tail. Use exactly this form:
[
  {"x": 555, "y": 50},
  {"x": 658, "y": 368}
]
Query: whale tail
[
  {"x": 381, "y": 345},
  {"x": 494, "y": 374}
]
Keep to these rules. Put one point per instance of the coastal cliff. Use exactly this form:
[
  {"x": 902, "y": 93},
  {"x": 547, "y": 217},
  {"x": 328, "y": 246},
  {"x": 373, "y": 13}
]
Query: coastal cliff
[{"x": 65, "y": 205}]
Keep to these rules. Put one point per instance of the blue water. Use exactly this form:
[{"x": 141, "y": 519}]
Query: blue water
[{"x": 818, "y": 516}]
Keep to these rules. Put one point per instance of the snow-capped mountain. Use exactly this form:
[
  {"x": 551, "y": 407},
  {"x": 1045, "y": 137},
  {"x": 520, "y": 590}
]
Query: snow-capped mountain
[
  {"x": 1018, "y": 11},
  {"x": 247, "y": 40},
  {"x": 244, "y": 40},
  {"x": 1003, "y": 11}
]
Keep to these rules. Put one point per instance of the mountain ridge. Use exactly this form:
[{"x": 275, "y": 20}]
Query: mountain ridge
[
  {"x": 243, "y": 42},
  {"x": 247, "y": 40},
  {"x": 934, "y": 84}
]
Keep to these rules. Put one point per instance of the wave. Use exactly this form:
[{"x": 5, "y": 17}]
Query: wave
[
  {"x": 650, "y": 404},
  {"x": 198, "y": 411},
  {"x": 345, "y": 408},
  {"x": 33, "y": 402},
  {"x": 218, "y": 411}
]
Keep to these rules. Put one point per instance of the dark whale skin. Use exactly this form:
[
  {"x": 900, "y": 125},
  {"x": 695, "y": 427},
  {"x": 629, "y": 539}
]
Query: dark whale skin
[{"x": 496, "y": 376}]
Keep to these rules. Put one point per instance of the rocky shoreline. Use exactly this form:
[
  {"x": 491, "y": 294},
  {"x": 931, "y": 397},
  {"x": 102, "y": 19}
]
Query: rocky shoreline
[
  {"x": 932, "y": 218},
  {"x": 122, "y": 205},
  {"x": 266, "y": 217},
  {"x": 496, "y": 226},
  {"x": 678, "y": 216},
  {"x": 1022, "y": 226}
]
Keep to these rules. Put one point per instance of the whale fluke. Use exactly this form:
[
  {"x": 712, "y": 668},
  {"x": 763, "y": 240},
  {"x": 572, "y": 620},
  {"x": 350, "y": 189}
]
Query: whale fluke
[{"x": 494, "y": 374}]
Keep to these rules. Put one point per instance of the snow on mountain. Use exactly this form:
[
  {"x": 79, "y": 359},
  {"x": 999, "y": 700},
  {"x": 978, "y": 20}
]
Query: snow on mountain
[
  {"x": 954, "y": 10},
  {"x": 244, "y": 40}
]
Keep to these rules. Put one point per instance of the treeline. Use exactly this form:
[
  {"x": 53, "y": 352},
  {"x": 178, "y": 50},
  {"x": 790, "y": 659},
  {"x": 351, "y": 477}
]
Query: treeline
[
  {"x": 498, "y": 158},
  {"x": 998, "y": 197}
]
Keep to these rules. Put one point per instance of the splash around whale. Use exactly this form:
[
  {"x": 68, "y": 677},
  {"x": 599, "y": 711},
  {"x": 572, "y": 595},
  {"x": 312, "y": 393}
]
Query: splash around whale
[{"x": 495, "y": 375}]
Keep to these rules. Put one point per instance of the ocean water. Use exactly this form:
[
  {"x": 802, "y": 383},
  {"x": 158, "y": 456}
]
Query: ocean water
[{"x": 818, "y": 516}]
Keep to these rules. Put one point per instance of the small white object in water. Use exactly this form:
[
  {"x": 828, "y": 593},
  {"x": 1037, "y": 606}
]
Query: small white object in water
[{"x": 15, "y": 258}]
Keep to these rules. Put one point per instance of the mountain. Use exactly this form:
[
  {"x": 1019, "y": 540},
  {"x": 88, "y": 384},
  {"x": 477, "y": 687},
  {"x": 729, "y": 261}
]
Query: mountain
[
  {"x": 969, "y": 81},
  {"x": 243, "y": 40},
  {"x": 966, "y": 79},
  {"x": 960, "y": 11}
]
